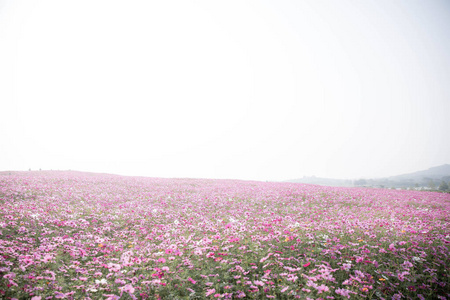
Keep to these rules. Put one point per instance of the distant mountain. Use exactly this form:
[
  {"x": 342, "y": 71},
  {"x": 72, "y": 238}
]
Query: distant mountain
[
  {"x": 432, "y": 173},
  {"x": 323, "y": 181},
  {"x": 425, "y": 178}
]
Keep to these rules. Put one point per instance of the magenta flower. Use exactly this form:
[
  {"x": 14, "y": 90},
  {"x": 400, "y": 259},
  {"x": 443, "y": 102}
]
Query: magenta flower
[
  {"x": 128, "y": 288},
  {"x": 192, "y": 280},
  {"x": 343, "y": 292},
  {"x": 322, "y": 288},
  {"x": 111, "y": 297},
  {"x": 257, "y": 282}
]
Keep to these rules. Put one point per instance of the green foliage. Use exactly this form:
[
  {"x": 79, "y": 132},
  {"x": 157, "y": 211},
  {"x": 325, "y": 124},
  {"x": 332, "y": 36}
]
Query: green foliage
[{"x": 443, "y": 186}]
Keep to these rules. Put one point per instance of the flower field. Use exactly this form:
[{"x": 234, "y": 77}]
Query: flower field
[{"x": 72, "y": 235}]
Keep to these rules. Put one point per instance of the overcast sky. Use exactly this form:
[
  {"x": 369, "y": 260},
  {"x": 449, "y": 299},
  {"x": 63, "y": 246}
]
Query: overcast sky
[{"x": 262, "y": 90}]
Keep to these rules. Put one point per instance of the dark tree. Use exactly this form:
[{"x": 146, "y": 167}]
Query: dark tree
[
  {"x": 360, "y": 182},
  {"x": 443, "y": 186}
]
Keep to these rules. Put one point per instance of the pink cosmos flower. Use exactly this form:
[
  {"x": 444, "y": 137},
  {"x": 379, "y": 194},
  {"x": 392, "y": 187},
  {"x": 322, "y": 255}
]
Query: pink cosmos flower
[
  {"x": 60, "y": 295},
  {"x": 111, "y": 297},
  {"x": 51, "y": 273},
  {"x": 397, "y": 296},
  {"x": 260, "y": 283},
  {"x": 128, "y": 288},
  {"x": 192, "y": 280},
  {"x": 343, "y": 292},
  {"x": 322, "y": 288},
  {"x": 10, "y": 275},
  {"x": 47, "y": 258},
  {"x": 401, "y": 276},
  {"x": 209, "y": 292},
  {"x": 306, "y": 265}
]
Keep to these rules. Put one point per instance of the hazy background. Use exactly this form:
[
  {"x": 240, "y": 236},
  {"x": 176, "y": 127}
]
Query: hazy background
[{"x": 265, "y": 90}]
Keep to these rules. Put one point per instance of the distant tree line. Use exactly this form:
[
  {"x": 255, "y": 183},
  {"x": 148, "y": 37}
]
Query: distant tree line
[{"x": 425, "y": 183}]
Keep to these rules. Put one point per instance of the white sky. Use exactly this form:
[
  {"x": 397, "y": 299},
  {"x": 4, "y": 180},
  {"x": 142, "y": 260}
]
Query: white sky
[{"x": 264, "y": 90}]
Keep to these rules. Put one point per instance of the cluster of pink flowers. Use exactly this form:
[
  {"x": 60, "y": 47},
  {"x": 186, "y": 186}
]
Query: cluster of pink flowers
[{"x": 72, "y": 235}]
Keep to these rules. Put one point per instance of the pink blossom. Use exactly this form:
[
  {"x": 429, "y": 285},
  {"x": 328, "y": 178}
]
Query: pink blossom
[
  {"x": 9, "y": 276},
  {"x": 322, "y": 288},
  {"x": 192, "y": 280},
  {"x": 257, "y": 282},
  {"x": 128, "y": 288},
  {"x": 111, "y": 297},
  {"x": 343, "y": 292}
]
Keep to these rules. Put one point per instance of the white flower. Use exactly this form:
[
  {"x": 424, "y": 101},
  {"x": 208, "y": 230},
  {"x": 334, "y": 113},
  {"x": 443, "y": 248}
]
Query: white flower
[{"x": 102, "y": 281}]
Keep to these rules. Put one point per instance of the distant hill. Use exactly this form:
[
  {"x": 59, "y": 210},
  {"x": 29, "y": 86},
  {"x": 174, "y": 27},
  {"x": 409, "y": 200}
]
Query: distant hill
[
  {"x": 435, "y": 173},
  {"x": 425, "y": 178},
  {"x": 323, "y": 181}
]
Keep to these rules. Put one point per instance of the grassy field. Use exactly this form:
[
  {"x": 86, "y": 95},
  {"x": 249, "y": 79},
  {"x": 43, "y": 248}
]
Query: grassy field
[{"x": 72, "y": 235}]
